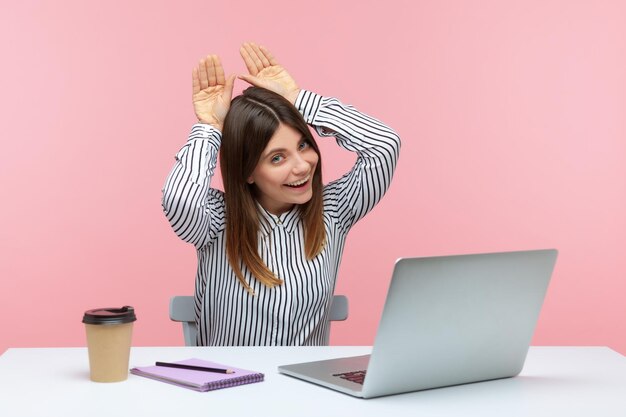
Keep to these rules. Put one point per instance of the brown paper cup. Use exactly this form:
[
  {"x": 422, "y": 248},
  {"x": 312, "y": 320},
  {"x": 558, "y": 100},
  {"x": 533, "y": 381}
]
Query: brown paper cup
[{"x": 109, "y": 334}]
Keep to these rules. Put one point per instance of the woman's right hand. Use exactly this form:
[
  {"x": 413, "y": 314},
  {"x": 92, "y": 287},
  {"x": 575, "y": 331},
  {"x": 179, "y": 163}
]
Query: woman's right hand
[{"x": 211, "y": 91}]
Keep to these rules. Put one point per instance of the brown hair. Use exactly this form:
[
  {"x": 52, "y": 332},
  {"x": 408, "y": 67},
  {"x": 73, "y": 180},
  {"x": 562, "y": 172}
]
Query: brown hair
[{"x": 251, "y": 122}]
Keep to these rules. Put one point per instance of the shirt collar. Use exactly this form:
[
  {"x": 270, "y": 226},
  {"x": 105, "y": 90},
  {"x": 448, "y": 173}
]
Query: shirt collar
[{"x": 288, "y": 220}]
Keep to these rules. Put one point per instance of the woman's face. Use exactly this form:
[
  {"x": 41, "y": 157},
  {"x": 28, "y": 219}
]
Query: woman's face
[{"x": 284, "y": 174}]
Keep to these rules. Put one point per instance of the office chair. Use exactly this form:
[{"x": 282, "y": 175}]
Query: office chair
[{"x": 182, "y": 310}]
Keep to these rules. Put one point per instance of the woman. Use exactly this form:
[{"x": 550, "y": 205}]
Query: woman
[{"x": 270, "y": 245}]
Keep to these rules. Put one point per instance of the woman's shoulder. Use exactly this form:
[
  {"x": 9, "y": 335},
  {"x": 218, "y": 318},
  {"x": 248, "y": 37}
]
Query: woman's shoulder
[
  {"x": 331, "y": 197},
  {"x": 216, "y": 199},
  {"x": 216, "y": 193}
]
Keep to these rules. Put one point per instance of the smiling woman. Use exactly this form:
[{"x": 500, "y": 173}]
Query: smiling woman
[
  {"x": 270, "y": 245},
  {"x": 266, "y": 149},
  {"x": 283, "y": 174}
]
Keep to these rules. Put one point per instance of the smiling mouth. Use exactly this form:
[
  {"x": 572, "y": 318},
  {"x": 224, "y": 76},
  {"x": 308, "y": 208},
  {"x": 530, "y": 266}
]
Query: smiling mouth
[{"x": 299, "y": 184}]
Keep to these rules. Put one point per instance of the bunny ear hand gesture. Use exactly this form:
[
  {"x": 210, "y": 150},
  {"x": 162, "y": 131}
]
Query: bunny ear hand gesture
[
  {"x": 211, "y": 91},
  {"x": 266, "y": 72}
]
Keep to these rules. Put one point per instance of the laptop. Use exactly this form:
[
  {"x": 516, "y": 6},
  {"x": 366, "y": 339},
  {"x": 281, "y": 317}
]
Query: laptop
[{"x": 447, "y": 320}]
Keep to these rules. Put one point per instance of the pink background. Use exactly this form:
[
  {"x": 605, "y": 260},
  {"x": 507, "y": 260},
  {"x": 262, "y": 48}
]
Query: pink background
[{"x": 512, "y": 115}]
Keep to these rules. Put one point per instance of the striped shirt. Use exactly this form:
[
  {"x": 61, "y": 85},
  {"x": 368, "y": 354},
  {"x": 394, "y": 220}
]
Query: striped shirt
[{"x": 296, "y": 312}]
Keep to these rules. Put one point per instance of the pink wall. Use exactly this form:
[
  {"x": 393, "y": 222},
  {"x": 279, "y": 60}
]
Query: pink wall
[{"x": 512, "y": 115}]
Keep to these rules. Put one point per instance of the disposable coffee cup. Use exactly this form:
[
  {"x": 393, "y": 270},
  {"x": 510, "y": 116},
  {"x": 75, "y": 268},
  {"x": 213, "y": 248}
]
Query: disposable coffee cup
[{"x": 109, "y": 333}]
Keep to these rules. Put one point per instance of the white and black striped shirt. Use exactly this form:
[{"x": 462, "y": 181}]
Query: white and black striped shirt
[{"x": 296, "y": 312}]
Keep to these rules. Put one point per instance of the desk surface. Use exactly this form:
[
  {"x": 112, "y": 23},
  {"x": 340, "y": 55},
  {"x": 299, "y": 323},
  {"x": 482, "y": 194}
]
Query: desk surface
[{"x": 563, "y": 381}]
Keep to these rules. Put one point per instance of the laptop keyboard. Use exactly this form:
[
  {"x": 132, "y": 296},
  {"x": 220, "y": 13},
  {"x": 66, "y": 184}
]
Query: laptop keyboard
[{"x": 355, "y": 376}]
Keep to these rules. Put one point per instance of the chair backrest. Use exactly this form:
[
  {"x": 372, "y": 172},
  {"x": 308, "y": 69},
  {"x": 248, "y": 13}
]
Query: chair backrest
[{"x": 182, "y": 310}]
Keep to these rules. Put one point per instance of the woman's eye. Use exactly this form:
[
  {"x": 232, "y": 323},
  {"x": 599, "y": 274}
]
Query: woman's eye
[
  {"x": 303, "y": 145},
  {"x": 276, "y": 159}
]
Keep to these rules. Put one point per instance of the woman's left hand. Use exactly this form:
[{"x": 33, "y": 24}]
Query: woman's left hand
[{"x": 267, "y": 73}]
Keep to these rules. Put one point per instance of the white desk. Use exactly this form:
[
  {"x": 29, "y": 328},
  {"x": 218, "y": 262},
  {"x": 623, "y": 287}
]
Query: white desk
[{"x": 556, "y": 381}]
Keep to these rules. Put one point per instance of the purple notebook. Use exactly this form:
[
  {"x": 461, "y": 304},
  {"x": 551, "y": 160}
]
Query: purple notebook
[{"x": 199, "y": 380}]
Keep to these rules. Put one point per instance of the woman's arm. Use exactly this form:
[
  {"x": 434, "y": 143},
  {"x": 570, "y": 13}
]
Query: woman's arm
[
  {"x": 190, "y": 205},
  {"x": 194, "y": 210},
  {"x": 377, "y": 147}
]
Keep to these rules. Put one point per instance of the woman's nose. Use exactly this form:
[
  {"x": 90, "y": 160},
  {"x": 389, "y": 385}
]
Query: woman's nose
[{"x": 300, "y": 165}]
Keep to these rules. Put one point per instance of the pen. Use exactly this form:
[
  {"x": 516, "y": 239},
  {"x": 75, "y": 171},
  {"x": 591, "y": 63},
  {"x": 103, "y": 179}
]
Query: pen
[{"x": 195, "y": 368}]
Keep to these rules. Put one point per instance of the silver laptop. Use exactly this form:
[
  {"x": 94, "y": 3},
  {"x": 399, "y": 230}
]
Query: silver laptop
[{"x": 447, "y": 320}]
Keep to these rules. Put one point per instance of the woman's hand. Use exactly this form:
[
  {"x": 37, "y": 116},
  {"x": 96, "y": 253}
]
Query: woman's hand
[
  {"x": 211, "y": 91},
  {"x": 265, "y": 72}
]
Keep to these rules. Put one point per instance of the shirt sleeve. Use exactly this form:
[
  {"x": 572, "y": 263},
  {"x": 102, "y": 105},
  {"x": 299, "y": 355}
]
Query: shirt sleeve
[
  {"x": 194, "y": 210},
  {"x": 377, "y": 147}
]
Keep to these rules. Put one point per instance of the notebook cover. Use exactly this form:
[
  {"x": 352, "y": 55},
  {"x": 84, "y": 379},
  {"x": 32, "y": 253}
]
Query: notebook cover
[{"x": 199, "y": 380}]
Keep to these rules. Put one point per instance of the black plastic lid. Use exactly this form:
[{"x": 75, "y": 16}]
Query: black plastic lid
[{"x": 122, "y": 315}]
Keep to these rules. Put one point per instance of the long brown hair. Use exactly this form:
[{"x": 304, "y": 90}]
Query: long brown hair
[{"x": 251, "y": 122}]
